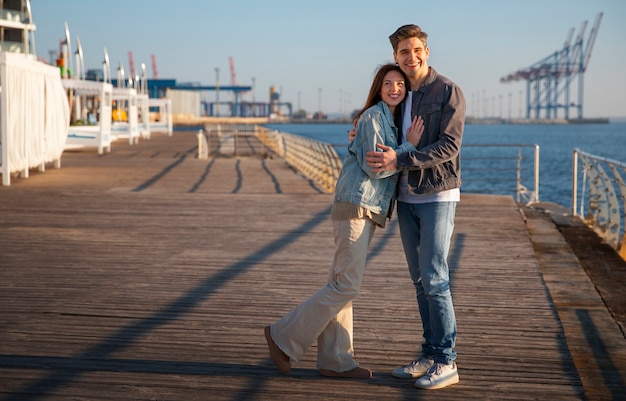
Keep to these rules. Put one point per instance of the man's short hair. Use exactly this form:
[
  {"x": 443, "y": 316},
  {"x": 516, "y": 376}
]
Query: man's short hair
[{"x": 406, "y": 32}]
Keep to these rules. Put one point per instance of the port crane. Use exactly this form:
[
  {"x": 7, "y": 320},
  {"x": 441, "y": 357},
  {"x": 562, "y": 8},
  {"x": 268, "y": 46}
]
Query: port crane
[
  {"x": 549, "y": 81},
  {"x": 131, "y": 65},
  {"x": 155, "y": 73},
  {"x": 233, "y": 76}
]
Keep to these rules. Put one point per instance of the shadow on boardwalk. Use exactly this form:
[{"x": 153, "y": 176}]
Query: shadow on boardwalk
[{"x": 149, "y": 274}]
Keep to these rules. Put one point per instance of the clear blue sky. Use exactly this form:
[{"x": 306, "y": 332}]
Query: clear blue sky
[{"x": 325, "y": 52}]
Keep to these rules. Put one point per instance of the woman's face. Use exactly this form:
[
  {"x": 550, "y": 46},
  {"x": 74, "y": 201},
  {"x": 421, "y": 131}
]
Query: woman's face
[{"x": 393, "y": 90}]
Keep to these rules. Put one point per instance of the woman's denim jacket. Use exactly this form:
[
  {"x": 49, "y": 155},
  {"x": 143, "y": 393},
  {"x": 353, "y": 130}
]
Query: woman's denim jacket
[
  {"x": 436, "y": 166},
  {"x": 357, "y": 184}
]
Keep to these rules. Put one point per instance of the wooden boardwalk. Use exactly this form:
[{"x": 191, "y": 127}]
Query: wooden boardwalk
[{"x": 149, "y": 274}]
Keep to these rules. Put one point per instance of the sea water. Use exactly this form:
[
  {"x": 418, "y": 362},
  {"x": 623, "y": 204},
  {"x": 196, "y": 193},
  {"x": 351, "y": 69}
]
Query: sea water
[{"x": 556, "y": 145}]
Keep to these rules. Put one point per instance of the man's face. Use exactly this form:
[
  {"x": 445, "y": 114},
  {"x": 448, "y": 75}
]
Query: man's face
[{"x": 412, "y": 57}]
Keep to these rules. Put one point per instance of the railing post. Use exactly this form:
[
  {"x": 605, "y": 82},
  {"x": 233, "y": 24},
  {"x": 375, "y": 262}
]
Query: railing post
[
  {"x": 574, "y": 181},
  {"x": 536, "y": 193},
  {"x": 519, "y": 173},
  {"x": 203, "y": 148}
]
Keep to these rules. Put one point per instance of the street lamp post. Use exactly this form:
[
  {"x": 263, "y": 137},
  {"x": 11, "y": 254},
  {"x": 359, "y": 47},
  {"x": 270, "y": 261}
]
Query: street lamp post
[{"x": 320, "y": 103}]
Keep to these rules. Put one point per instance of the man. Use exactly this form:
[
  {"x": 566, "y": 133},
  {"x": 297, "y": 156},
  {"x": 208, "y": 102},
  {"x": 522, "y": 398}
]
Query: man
[{"x": 428, "y": 189}]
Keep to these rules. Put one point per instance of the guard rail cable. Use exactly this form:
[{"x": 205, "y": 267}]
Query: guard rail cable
[
  {"x": 602, "y": 180},
  {"x": 481, "y": 165}
]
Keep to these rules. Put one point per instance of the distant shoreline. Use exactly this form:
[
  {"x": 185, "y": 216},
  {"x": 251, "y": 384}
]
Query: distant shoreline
[
  {"x": 187, "y": 120},
  {"x": 526, "y": 121}
]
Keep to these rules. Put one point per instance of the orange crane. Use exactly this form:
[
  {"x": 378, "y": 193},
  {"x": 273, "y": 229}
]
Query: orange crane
[
  {"x": 131, "y": 64},
  {"x": 233, "y": 77},
  {"x": 155, "y": 73}
]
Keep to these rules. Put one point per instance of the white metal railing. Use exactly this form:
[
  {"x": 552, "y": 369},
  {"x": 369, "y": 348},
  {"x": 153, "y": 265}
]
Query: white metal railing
[
  {"x": 512, "y": 171},
  {"x": 226, "y": 136},
  {"x": 603, "y": 182},
  {"x": 316, "y": 160},
  {"x": 496, "y": 171}
]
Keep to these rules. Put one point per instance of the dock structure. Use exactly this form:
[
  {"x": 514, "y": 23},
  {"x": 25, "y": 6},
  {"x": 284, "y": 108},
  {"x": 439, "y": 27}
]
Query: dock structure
[
  {"x": 549, "y": 81},
  {"x": 147, "y": 273}
]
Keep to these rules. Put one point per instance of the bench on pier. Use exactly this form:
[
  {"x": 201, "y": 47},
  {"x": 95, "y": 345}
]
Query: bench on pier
[
  {"x": 125, "y": 116},
  {"x": 161, "y": 116},
  {"x": 95, "y": 130}
]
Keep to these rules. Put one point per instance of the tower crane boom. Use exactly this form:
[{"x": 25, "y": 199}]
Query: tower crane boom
[{"x": 591, "y": 40}]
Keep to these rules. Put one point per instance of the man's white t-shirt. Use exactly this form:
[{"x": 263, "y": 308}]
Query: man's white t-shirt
[{"x": 450, "y": 195}]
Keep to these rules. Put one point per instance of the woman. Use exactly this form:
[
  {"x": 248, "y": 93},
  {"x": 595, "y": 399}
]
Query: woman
[{"x": 362, "y": 201}]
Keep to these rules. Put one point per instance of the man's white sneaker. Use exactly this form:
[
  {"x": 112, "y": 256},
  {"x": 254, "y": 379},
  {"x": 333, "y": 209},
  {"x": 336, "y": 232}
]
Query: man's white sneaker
[
  {"x": 413, "y": 370},
  {"x": 438, "y": 376}
]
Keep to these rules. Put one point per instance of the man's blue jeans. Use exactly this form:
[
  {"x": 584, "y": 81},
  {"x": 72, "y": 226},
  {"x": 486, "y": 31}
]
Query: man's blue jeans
[{"x": 426, "y": 230}]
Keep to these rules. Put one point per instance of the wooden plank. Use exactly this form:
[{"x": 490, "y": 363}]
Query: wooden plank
[{"x": 149, "y": 274}]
